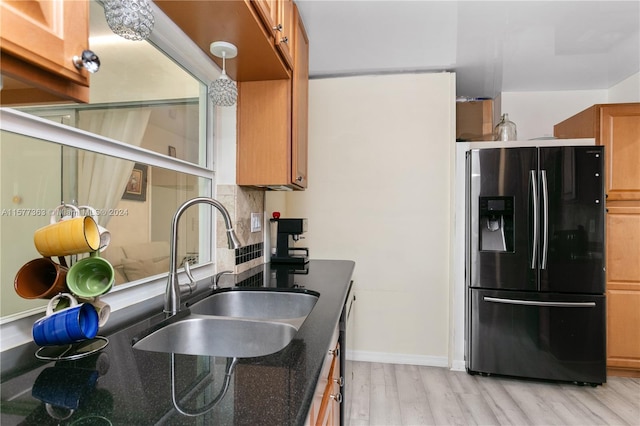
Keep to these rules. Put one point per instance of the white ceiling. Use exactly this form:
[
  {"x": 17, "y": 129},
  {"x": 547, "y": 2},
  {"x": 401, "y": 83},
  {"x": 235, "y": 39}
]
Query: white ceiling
[{"x": 492, "y": 46}]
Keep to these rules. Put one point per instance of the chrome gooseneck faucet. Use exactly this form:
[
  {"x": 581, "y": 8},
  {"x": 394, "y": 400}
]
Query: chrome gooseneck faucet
[{"x": 172, "y": 293}]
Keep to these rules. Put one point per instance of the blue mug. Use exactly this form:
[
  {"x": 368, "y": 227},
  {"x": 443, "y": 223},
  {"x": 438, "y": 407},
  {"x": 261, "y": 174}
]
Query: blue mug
[{"x": 66, "y": 326}]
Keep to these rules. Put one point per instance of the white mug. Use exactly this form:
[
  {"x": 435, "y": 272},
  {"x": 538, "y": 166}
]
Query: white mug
[
  {"x": 75, "y": 212},
  {"x": 55, "y": 304},
  {"x": 105, "y": 235},
  {"x": 103, "y": 309}
]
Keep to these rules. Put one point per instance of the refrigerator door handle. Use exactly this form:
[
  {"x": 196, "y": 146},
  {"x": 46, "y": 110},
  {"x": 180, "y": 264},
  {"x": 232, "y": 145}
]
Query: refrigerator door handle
[
  {"x": 534, "y": 192},
  {"x": 540, "y": 303},
  {"x": 545, "y": 218}
]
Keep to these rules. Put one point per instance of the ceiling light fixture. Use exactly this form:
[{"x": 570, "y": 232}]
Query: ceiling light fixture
[
  {"x": 223, "y": 91},
  {"x": 131, "y": 19}
]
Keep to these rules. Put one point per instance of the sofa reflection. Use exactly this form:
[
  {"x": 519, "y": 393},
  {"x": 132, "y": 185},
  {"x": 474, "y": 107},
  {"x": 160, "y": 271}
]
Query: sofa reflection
[{"x": 138, "y": 261}]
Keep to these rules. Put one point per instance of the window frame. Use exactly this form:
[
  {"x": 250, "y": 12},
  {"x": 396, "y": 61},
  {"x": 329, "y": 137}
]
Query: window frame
[{"x": 166, "y": 36}]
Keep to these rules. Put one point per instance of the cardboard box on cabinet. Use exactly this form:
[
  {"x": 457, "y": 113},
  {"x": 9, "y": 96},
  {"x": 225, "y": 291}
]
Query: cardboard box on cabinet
[{"x": 474, "y": 121}]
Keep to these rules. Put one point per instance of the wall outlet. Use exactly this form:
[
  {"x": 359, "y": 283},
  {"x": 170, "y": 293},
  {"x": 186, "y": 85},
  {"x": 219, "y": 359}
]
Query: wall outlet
[{"x": 256, "y": 222}]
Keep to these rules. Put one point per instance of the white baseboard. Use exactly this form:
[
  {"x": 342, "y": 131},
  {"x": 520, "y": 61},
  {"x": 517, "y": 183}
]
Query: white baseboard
[
  {"x": 393, "y": 358},
  {"x": 458, "y": 365}
]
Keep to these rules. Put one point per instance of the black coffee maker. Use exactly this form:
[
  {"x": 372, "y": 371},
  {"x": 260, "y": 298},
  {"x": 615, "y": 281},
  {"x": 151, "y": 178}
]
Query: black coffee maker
[{"x": 289, "y": 231}]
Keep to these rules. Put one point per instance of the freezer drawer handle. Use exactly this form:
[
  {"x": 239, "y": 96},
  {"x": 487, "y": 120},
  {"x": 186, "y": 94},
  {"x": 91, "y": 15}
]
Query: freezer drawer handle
[{"x": 539, "y": 303}]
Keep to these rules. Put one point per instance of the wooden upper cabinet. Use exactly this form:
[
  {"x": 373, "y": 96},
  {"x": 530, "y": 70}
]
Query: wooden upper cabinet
[
  {"x": 277, "y": 17},
  {"x": 617, "y": 127},
  {"x": 273, "y": 125},
  {"x": 620, "y": 134},
  {"x": 300, "y": 103},
  {"x": 264, "y": 133},
  {"x": 38, "y": 41},
  {"x": 286, "y": 31},
  {"x": 268, "y": 11}
]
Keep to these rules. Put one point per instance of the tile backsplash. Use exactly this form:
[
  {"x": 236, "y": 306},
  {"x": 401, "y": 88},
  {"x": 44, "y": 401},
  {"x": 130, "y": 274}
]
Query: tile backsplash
[{"x": 240, "y": 202}]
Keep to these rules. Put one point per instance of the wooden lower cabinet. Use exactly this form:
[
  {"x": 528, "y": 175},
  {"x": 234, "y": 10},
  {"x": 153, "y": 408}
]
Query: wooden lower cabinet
[
  {"x": 623, "y": 288},
  {"x": 325, "y": 408}
]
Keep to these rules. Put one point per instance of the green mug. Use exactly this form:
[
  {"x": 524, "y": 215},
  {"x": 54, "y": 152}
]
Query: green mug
[{"x": 90, "y": 277}]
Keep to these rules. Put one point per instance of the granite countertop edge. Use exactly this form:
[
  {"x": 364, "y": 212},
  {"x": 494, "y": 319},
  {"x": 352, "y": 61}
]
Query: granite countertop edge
[{"x": 330, "y": 278}]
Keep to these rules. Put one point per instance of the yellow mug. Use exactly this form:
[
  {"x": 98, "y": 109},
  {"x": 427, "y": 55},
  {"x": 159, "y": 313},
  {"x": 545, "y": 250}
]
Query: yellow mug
[{"x": 70, "y": 236}]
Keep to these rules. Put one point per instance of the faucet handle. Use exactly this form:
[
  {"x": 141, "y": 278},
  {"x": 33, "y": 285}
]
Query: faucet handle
[
  {"x": 192, "y": 282},
  {"x": 216, "y": 278}
]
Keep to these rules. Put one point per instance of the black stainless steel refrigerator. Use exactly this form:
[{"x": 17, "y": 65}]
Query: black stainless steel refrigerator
[{"x": 535, "y": 266}]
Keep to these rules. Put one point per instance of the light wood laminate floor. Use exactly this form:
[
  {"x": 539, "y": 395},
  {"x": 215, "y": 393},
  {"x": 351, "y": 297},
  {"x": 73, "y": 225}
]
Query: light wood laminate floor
[{"x": 392, "y": 394}]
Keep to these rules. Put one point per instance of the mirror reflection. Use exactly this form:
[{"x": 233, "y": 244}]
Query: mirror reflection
[
  {"x": 139, "y": 96},
  {"x": 142, "y": 98},
  {"x": 138, "y": 216}
]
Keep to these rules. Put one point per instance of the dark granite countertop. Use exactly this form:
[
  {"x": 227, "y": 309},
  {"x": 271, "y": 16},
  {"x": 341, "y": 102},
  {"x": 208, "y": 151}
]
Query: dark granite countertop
[{"x": 122, "y": 386}]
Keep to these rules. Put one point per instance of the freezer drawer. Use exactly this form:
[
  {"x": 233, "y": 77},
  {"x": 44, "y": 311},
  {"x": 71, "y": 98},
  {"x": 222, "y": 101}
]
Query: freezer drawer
[{"x": 537, "y": 335}]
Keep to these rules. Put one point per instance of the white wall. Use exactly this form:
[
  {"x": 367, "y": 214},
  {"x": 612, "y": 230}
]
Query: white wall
[
  {"x": 224, "y": 134},
  {"x": 627, "y": 90},
  {"x": 535, "y": 113},
  {"x": 381, "y": 152}
]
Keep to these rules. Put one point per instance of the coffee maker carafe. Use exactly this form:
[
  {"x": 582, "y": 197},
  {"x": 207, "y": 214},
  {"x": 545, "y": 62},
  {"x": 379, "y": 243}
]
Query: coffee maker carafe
[{"x": 289, "y": 231}]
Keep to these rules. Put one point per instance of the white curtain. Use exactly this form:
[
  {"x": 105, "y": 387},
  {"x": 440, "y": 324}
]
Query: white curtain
[{"x": 101, "y": 178}]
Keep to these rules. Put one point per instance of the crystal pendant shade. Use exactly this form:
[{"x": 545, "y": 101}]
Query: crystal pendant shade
[
  {"x": 131, "y": 19},
  {"x": 223, "y": 91}
]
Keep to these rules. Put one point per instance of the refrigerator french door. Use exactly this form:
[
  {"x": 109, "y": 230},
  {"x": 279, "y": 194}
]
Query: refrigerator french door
[{"x": 535, "y": 263}]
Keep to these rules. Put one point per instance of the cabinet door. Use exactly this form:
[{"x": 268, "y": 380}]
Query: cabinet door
[
  {"x": 264, "y": 133},
  {"x": 336, "y": 395},
  {"x": 623, "y": 285},
  {"x": 285, "y": 31},
  {"x": 46, "y": 34},
  {"x": 268, "y": 11},
  {"x": 300, "y": 104},
  {"x": 620, "y": 134}
]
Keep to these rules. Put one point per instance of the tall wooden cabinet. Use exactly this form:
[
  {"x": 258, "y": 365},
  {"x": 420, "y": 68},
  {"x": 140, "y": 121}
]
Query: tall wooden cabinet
[
  {"x": 617, "y": 127},
  {"x": 38, "y": 41},
  {"x": 272, "y": 124}
]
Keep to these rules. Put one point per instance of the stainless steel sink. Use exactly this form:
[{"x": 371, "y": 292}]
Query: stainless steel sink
[
  {"x": 219, "y": 336},
  {"x": 257, "y": 304},
  {"x": 236, "y": 323}
]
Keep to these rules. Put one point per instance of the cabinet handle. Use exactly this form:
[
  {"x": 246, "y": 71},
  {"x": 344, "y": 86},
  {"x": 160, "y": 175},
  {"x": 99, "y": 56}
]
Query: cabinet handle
[
  {"x": 337, "y": 397},
  {"x": 335, "y": 352},
  {"x": 87, "y": 60},
  {"x": 277, "y": 28},
  {"x": 299, "y": 178},
  {"x": 284, "y": 40},
  {"x": 339, "y": 381}
]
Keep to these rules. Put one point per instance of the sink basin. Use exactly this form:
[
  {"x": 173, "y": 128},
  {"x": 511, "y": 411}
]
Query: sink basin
[
  {"x": 235, "y": 323},
  {"x": 219, "y": 336},
  {"x": 256, "y": 304}
]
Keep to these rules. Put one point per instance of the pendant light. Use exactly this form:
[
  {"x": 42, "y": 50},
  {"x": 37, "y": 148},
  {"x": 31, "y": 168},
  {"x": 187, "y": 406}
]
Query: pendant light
[
  {"x": 223, "y": 91},
  {"x": 131, "y": 19}
]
